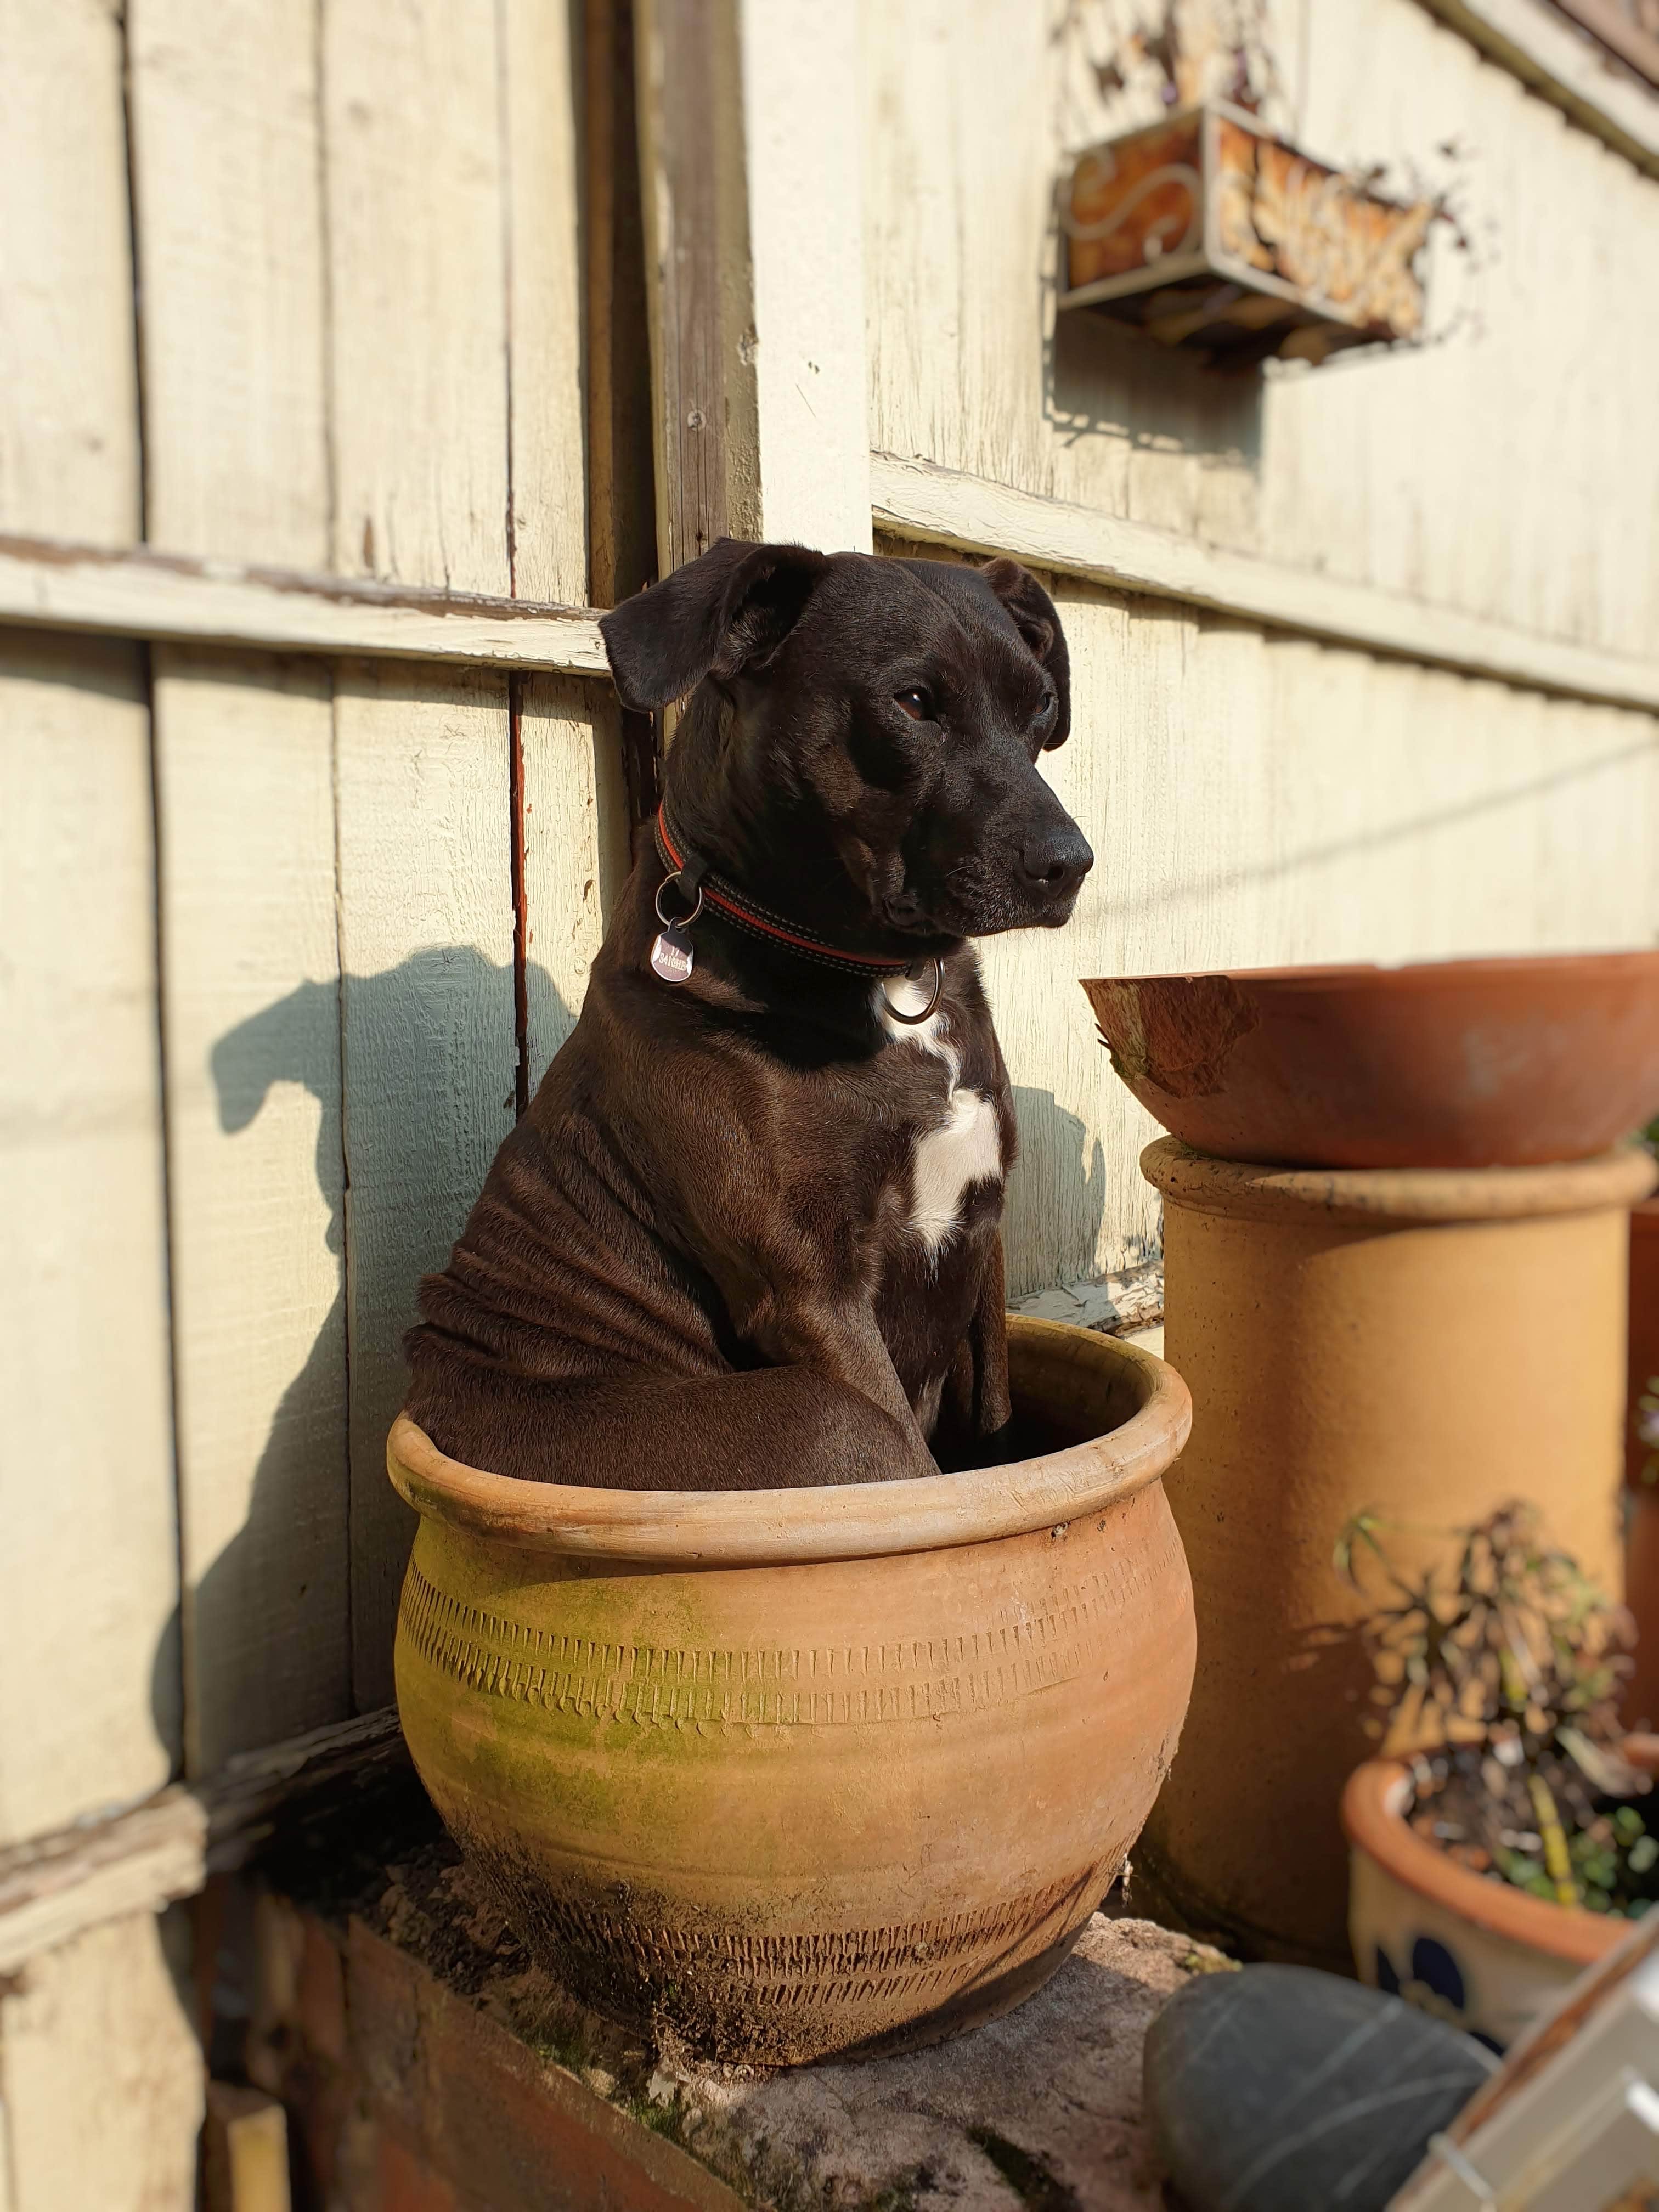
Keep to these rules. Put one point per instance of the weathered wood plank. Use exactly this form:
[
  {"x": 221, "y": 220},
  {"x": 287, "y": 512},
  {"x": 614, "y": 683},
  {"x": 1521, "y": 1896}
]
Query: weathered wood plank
[
  {"x": 575, "y": 851},
  {"x": 429, "y": 1048},
  {"x": 544, "y": 277},
  {"x": 90, "y": 1604},
  {"x": 227, "y": 185},
  {"x": 102, "y": 2073},
  {"x": 69, "y": 403},
  {"x": 418, "y": 367},
  {"x": 245, "y": 778},
  {"x": 803, "y": 157},
  {"x": 58, "y": 1886},
  {"x": 237, "y": 468},
  {"x": 697, "y": 254},
  {"x": 47, "y": 583},
  {"x": 418, "y": 337}
]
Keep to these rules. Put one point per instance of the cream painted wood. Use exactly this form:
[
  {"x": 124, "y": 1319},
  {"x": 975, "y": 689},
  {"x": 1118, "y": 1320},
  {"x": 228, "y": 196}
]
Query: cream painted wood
[
  {"x": 416, "y": 284},
  {"x": 971, "y": 514},
  {"x": 246, "y": 781},
  {"x": 418, "y": 251},
  {"x": 426, "y": 953},
  {"x": 88, "y": 1651},
  {"x": 545, "y": 307},
  {"x": 1552, "y": 56},
  {"x": 91, "y": 1604},
  {"x": 1253, "y": 800},
  {"x": 575, "y": 851},
  {"x": 101, "y": 2075},
  {"x": 228, "y": 194},
  {"x": 803, "y": 155},
  {"x": 59, "y": 585},
  {"x": 1505, "y": 471},
  {"x": 69, "y": 393},
  {"x": 236, "y": 460}
]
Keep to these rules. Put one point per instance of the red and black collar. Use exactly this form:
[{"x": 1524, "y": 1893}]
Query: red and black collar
[{"x": 693, "y": 877}]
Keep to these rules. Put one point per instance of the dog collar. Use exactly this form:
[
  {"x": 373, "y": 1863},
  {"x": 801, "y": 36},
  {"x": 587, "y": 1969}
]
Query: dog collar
[{"x": 671, "y": 957}]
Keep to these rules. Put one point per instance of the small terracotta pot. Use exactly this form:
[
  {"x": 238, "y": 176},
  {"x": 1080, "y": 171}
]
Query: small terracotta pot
[
  {"x": 1425, "y": 1343},
  {"x": 810, "y": 1770},
  {"x": 1476, "y": 1951},
  {"x": 1447, "y": 1064}
]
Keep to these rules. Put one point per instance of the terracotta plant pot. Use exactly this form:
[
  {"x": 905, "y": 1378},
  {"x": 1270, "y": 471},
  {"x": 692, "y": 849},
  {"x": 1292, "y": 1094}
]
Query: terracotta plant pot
[
  {"x": 1459, "y": 1063},
  {"x": 1426, "y": 1343},
  {"x": 811, "y": 1771},
  {"x": 1478, "y": 1952}
]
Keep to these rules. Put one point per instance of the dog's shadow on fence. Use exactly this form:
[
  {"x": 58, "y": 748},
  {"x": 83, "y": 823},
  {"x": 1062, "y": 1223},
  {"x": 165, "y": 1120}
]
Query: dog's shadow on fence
[{"x": 269, "y": 1628}]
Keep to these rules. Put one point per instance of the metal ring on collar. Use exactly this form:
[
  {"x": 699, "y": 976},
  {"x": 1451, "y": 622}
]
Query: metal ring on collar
[
  {"x": 915, "y": 1021},
  {"x": 676, "y": 921}
]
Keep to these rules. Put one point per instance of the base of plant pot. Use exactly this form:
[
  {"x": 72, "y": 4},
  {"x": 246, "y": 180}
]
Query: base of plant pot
[{"x": 1475, "y": 1951}]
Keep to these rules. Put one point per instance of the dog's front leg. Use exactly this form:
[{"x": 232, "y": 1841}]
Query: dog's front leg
[{"x": 796, "y": 1324}]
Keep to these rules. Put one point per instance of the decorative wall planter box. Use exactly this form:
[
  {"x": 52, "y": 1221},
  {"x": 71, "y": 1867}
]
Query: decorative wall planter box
[{"x": 1204, "y": 232}]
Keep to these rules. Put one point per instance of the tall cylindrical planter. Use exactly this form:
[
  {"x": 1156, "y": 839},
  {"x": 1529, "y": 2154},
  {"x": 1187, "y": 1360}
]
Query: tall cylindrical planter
[{"x": 1426, "y": 1342}]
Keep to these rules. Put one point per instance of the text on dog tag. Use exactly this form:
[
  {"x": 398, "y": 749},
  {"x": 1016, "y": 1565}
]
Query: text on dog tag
[{"x": 670, "y": 956}]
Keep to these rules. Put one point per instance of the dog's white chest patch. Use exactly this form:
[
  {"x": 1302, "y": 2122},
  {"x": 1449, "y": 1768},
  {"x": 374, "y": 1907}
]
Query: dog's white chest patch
[{"x": 966, "y": 1150}]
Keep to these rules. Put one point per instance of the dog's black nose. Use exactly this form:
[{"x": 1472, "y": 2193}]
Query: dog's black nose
[{"x": 1055, "y": 861}]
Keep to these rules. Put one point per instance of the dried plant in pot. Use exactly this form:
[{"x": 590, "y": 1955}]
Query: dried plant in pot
[{"x": 1510, "y": 1840}]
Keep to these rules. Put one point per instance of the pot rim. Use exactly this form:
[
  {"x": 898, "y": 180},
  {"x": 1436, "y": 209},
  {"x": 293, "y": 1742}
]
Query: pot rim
[
  {"x": 840, "y": 1521},
  {"x": 1610, "y": 1182},
  {"x": 1521, "y": 968},
  {"x": 1373, "y": 1820}
]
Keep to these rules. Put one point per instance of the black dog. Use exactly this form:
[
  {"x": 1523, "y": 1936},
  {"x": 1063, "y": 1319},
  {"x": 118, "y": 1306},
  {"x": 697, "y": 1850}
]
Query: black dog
[{"x": 747, "y": 1235}]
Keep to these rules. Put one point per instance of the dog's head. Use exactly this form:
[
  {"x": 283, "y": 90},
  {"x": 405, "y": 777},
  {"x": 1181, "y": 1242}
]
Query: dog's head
[{"x": 903, "y": 704}]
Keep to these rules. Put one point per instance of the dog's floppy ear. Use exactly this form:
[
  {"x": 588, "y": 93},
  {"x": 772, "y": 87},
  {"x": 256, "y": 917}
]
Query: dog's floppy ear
[
  {"x": 729, "y": 608},
  {"x": 1038, "y": 623}
]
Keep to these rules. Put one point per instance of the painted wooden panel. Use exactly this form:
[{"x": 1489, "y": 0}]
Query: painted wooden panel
[
  {"x": 428, "y": 1050},
  {"x": 237, "y": 468},
  {"x": 544, "y": 311},
  {"x": 88, "y": 1653},
  {"x": 418, "y": 247},
  {"x": 418, "y": 338},
  {"x": 93, "y": 1606},
  {"x": 252, "y": 1025},
  {"x": 1507, "y": 470},
  {"x": 1259, "y": 799},
  {"x": 100, "y": 2075},
  {"x": 228, "y": 188},
  {"x": 69, "y": 393},
  {"x": 575, "y": 850}
]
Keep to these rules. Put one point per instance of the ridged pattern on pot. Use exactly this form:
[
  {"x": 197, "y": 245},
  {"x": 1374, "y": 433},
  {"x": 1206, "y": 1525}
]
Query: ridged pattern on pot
[
  {"x": 913, "y": 1964},
  {"x": 654, "y": 1686}
]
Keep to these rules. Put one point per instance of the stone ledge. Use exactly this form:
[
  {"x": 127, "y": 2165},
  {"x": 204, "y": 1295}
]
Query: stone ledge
[{"x": 430, "y": 2067}]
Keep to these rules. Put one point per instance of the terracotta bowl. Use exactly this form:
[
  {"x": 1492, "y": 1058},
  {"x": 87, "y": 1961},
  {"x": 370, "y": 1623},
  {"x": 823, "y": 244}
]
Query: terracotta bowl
[
  {"x": 800, "y": 1771},
  {"x": 1478, "y": 1952},
  {"x": 1459, "y": 1063}
]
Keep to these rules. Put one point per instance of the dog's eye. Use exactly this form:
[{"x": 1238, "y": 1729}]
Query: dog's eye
[
  {"x": 915, "y": 702},
  {"x": 1045, "y": 714}
]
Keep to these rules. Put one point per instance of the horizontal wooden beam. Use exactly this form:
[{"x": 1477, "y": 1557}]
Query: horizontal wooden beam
[
  {"x": 1562, "y": 65},
  {"x": 59, "y": 1886},
  {"x": 46, "y": 584},
  {"x": 916, "y": 499}
]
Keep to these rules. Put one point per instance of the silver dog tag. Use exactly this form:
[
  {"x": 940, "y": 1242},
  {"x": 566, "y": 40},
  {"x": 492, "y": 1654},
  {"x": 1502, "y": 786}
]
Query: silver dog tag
[{"x": 671, "y": 957}]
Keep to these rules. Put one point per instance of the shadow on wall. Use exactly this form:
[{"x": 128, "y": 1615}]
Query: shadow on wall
[
  {"x": 1102, "y": 381},
  {"x": 1056, "y": 1196},
  {"x": 324, "y": 1540}
]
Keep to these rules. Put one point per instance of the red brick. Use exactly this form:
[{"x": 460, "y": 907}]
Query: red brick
[{"x": 407, "y": 2183}]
